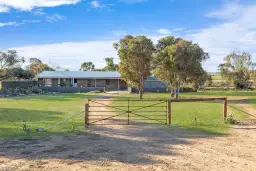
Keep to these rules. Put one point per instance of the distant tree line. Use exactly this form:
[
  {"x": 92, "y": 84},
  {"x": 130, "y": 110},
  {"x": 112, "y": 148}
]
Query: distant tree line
[
  {"x": 238, "y": 69},
  {"x": 110, "y": 66},
  {"x": 11, "y": 67}
]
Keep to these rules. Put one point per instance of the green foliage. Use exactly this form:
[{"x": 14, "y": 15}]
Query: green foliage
[
  {"x": 230, "y": 119},
  {"x": 235, "y": 69},
  {"x": 135, "y": 55},
  {"x": 7, "y": 92},
  {"x": 26, "y": 128},
  {"x": 36, "y": 66},
  {"x": 208, "y": 82},
  {"x": 73, "y": 126},
  {"x": 87, "y": 66},
  {"x": 178, "y": 62},
  {"x": 20, "y": 73},
  {"x": 9, "y": 60},
  {"x": 111, "y": 66}
]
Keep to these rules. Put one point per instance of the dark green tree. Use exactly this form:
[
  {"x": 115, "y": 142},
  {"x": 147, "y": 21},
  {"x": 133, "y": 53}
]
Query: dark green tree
[
  {"x": 87, "y": 66},
  {"x": 178, "y": 62},
  {"x": 236, "y": 69},
  {"x": 135, "y": 55}
]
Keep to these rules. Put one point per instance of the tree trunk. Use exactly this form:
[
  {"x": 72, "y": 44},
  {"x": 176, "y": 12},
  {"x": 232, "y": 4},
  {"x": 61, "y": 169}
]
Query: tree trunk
[
  {"x": 141, "y": 90},
  {"x": 141, "y": 94},
  {"x": 177, "y": 93},
  {"x": 172, "y": 92}
]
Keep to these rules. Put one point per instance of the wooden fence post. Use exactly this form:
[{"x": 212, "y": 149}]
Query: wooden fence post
[
  {"x": 86, "y": 115},
  {"x": 169, "y": 112},
  {"x": 225, "y": 108}
]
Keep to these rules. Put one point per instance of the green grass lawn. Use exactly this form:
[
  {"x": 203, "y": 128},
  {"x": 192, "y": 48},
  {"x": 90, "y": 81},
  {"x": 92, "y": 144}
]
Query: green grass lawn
[
  {"x": 202, "y": 116},
  {"x": 41, "y": 112},
  {"x": 44, "y": 111}
]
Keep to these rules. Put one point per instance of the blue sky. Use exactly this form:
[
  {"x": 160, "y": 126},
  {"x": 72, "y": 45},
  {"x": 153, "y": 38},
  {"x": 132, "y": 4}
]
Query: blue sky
[{"x": 69, "y": 32}]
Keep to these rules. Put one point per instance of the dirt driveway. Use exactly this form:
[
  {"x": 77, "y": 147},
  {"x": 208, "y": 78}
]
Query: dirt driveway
[{"x": 134, "y": 148}]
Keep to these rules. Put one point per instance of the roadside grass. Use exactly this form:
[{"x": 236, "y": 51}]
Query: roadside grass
[
  {"x": 201, "y": 116},
  {"x": 42, "y": 112}
]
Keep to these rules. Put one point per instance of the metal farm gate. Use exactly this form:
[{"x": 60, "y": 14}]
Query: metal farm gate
[
  {"x": 130, "y": 112},
  {"x": 126, "y": 112}
]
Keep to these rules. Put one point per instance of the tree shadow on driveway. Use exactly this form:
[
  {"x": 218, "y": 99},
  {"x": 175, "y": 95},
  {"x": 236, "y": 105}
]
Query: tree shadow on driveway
[{"x": 125, "y": 144}]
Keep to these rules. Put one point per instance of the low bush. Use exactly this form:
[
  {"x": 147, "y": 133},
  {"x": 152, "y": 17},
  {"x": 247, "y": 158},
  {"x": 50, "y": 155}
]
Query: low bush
[
  {"x": 26, "y": 128},
  {"x": 231, "y": 119},
  {"x": 9, "y": 92}
]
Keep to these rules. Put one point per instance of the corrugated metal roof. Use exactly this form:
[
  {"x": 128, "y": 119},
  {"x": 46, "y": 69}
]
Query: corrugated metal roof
[{"x": 79, "y": 74}]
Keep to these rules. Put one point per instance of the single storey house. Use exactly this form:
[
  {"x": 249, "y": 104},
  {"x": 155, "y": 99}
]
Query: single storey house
[{"x": 82, "y": 79}]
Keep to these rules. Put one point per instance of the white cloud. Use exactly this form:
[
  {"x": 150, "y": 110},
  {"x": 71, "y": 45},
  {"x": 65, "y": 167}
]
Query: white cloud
[
  {"x": 39, "y": 12},
  {"x": 97, "y": 4},
  {"x": 119, "y": 32},
  {"x": 192, "y": 30},
  {"x": 238, "y": 33},
  {"x": 19, "y": 23},
  {"x": 27, "y": 5},
  {"x": 55, "y": 17},
  {"x": 48, "y": 17},
  {"x": 71, "y": 54},
  {"x": 230, "y": 10},
  {"x": 164, "y": 31},
  {"x": 8, "y": 24},
  {"x": 178, "y": 29},
  {"x": 4, "y": 9}
]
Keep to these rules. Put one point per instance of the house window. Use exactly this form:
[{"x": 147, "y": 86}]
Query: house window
[
  {"x": 90, "y": 83},
  {"x": 63, "y": 82},
  {"x": 48, "y": 82},
  {"x": 108, "y": 82}
]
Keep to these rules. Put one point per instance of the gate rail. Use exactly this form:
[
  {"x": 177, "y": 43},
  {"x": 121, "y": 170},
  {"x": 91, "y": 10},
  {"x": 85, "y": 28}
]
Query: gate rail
[{"x": 128, "y": 110}]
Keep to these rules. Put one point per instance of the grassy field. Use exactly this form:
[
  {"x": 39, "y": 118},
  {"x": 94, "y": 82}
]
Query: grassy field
[
  {"x": 202, "y": 116},
  {"x": 41, "y": 112},
  {"x": 44, "y": 111}
]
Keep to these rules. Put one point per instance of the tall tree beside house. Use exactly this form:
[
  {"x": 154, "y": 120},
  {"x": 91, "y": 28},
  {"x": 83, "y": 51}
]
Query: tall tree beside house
[
  {"x": 36, "y": 66},
  {"x": 236, "y": 69},
  {"x": 135, "y": 55},
  {"x": 87, "y": 66},
  {"x": 20, "y": 73},
  {"x": 9, "y": 60},
  {"x": 110, "y": 65},
  {"x": 178, "y": 62}
]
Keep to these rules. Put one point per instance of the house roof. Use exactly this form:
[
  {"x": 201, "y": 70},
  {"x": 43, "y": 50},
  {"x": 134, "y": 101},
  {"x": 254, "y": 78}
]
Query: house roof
[{"x": 80, "y": 74}]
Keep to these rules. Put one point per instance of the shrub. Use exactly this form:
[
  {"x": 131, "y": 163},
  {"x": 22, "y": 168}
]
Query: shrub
[
  {"x": 231, "y": 119},
  {"x": 188, "y": 89},
  {"x": 26, "y": 128},
  {"x": 6, "y": 92}
]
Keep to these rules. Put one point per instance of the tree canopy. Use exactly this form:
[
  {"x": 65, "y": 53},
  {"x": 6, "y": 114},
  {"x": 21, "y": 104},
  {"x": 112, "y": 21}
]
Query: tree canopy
[
  {"x": 110, "y": 65},
  {"x": 36, "y": 66},
  {"x": 87, "y": 66},
  {"x": 135, "y": 55},
  {"x": 235, "y": 69},
  {"x": 8, "y": 61},
  {"x": 178, "y": 61}
]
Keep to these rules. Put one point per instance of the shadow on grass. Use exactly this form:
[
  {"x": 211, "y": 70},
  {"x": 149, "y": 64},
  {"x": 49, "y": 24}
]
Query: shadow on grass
[{"x": 126, "y": 144}]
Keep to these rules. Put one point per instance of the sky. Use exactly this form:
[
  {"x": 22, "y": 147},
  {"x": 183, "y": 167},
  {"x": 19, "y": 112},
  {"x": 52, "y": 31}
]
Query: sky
[{"x": 68, "y": 32}]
